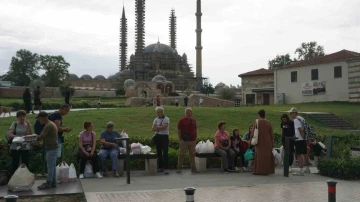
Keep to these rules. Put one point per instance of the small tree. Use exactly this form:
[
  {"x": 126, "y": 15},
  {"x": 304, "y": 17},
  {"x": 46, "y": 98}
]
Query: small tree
[
  {"x": 66, "y": 87},
  {"x": 227, "y": 93},
  {"x": 119, "y": 91},
  {"x": 207, "y": 89}
]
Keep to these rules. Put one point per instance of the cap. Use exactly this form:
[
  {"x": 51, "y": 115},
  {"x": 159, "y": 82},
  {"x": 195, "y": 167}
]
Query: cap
[
  {"x": 110, "y": 125},
  {"x": 292, "y": 110}
]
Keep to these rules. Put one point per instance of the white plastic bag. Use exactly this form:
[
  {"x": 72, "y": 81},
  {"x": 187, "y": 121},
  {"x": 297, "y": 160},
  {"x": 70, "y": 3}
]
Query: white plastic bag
[
  {"x": 203, "y": 148},
  {"x": 277, "y": 158},
  {"x": 64, "y": 172},
  {"x": 210, "y": 147},
  {"x": 22, "y": 180},
  {"x": 72, "y": 173},
  {"x": 136, "y": 151},
  {"x": 198, "y": 147},
  {"x": 135, "y": 146},
  {"x": 124, "y": 135},
  {"x": 18, "y": 140},
  {"x": 145, "y": 149},
  {"x": 57, "y": 170},
  {"x": 282, "y": 152},
  {"x": 88, "y": 172}
]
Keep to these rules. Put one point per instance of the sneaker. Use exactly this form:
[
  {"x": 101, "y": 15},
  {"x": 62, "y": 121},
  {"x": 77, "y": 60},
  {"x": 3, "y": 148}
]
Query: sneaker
[
  {"x": 307, "y": 171},
  {"x": 81, "y": 176},
  {"x": 44, "y": 186},
  {"x": 178, "y": 171},
  {"x": 98, "y": 175},
  {"x": 166, "y": 172},
  {"x": 298, "y": 173}
]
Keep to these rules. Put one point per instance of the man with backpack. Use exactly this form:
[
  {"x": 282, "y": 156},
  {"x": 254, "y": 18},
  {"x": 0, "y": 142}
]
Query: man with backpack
[{"x": 302, "y": 134}]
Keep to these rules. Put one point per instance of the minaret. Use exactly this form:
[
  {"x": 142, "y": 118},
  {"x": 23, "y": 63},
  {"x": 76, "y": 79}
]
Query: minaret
[
  {"x": 198, "y": 46},
  {"x": 139, "y": 39},
  {"x": 172, "y": 29},
  {"x": 123, "y": 40}
]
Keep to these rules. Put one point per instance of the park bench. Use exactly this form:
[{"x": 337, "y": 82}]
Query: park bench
[{"x": 150, "y": 162}]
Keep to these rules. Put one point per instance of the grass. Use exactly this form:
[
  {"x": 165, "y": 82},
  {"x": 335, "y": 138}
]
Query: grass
[
  {"x": 138, "y": 120},
  {"x": 57, "y": 198},
  {"x": 92, "y": 100}
]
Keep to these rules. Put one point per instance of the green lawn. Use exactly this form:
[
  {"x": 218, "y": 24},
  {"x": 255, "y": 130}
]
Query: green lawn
[{"x": 138, "y": 120}]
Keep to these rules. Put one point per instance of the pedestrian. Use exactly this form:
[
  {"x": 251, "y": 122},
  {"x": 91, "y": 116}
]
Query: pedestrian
[
  {"x": 67, "y": 97},
  {"x": 300, "y": 143},
  {"x": 288, "y": 130},
  {"x": 187, "y": 132},
  {"x": 186, "y": 99},
  {"x": 98, "y": 102},
  {"x": 201, "y": 102},
  {"x": 27, "y": 100},
  {"x": 161, "y": 129},
  {"x": 50, "y": 136},
  {"x": 176, "y": 102},
  {"x": 158, "y": 100},
  {"x": 37, "y": 99}
]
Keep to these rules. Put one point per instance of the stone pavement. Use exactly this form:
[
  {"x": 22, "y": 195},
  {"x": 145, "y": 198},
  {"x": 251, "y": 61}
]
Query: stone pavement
[{"x": 216, "y": 186}]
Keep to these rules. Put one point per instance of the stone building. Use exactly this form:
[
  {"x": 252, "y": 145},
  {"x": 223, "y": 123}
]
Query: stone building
[
  {"x": 86, "y": 82},
  {"x": 258, "y": 87}
]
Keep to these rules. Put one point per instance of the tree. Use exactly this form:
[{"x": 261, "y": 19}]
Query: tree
[
  {"x": 227, "y": 93},
  {"x": 309, "y": 50},
  {"x": 207, "y": 88},
  {"x": 23, "y": 68},
  {"x": 56, "y": 70},
  {"x": 35, "y": 83},
  {"x": 119, "y": 91},
  {"x": 279, "y": 61},
  {"x": 65, "y": 87}
]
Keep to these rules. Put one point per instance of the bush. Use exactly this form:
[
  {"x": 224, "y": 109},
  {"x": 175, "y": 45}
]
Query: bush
[
  {"x": 342, "y": 168},
  {"x": 227, "y": 93}
]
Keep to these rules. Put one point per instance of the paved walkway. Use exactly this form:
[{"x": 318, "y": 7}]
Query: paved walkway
[
  {"x": 216, "y": 186},
  {"x": 13, "y": 114}
]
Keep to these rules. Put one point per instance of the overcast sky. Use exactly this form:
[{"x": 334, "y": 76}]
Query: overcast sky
[{"x": 238, "y": 35}]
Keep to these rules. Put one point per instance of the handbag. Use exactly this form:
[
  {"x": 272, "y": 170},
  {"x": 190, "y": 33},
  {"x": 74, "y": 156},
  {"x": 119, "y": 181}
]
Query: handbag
[
  {"x": 224, "y": 143},
  {"x": 87, "y": 147},
  {"x": 254, "y": 140},
  {"x": 249, "y": 155},
  {"x": 10, "y": 140}
]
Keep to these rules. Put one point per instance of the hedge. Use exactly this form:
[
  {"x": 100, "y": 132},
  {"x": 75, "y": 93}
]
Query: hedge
[
  {"x": 56, "y": 105},
  {"x": 70, "y": 148}
]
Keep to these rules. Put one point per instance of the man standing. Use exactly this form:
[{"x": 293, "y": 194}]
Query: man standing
[
  {"x": 57, "y": 118},
  {"x": 300, "y": 143},
  {"x": 37, "y": 99},
  {"x": 67, "y": 97},
  {"x": 187, "y": 132},
  {"x": 50, "y": 136},
  {"x": 186, "y": 99},
  {"x": 201, "y": 102},
  {"x": 161, "y": 128}
]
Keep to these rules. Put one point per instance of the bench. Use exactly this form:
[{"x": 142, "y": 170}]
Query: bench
[
  {"x": 150, "y": 162},
  {"x": 201, "y": 160}
]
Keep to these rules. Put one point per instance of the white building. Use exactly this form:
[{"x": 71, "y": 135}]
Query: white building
[{"x": 333, "y": 77}]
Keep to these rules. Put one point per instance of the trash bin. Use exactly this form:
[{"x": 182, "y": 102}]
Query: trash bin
[{"x": 11, "y": 198}]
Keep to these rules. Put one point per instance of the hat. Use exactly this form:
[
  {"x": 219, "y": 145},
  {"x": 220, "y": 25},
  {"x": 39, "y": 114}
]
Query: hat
[
  {"x": 293, "y": 110},
  {"x": 110, "y": 125}
]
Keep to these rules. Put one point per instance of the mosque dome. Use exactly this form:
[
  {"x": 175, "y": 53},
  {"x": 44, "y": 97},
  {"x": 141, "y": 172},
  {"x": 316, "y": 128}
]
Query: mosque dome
[
  {"x": 159, "y": 47},
  {"x": 128, "y": 83},
  {"x": 159, "y": 78},
  {"x": 86, "y": 77},
  {"x": 73, "y": 76},
  {"x": 99, "y": 77}
]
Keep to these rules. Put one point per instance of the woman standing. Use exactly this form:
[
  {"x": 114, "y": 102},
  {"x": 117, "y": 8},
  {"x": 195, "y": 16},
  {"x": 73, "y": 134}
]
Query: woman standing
[
  {"x": 288, "y": 130},
  {"x": 19, "y": 128},
  {"x": 27, "y": 100},
  {"x": 222, "y": 147},
  {"x": 264, "y": 160},
  {"x": 87, "y": 146}
]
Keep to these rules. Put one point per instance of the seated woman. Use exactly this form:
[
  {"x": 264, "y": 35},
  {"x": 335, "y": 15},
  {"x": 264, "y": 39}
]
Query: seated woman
[
  {"x": 109, "y": 148},
  {"x": 239, "y": 147},
  {"x": 87, "y": 146},
  {"x": 19, "y": 128},
  {"x": 222, "y": 147}
]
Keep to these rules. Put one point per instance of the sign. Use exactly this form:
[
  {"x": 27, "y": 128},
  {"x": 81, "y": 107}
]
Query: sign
[{"x": 313, "y": 88}]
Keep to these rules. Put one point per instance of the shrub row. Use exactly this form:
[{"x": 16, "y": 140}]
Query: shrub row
[
  {"x": 55, "y": 105},
  {"x": 70, "y": 148}
]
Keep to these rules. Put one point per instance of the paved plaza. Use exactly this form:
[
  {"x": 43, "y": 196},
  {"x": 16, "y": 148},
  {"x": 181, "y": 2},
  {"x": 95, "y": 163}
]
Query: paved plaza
[{"x": 215, "y": 186}]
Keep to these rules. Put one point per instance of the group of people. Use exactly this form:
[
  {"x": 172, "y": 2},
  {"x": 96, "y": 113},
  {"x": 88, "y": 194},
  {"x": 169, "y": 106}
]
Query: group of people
[{"x": 49, "y": 127}]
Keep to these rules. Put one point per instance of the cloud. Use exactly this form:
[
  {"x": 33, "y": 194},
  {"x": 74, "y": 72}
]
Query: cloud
[{"x": 238, "y": 36}]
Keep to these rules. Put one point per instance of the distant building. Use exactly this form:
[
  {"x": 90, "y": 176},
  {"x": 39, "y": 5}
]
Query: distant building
[
  {"x": 333, "y": 77},
  {"x": 5, "y": 84},
  {"x": 258, "y": 87}
]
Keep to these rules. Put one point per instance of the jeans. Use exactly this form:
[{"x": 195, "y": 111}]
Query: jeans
[
  {"x": 228, "y": 157},
  {"x": 94, "y": 159},
  {"x": 15, "y": 155},
  {"x": 113, "y": 154},
  {"x": 51, "y": 156},
  {"x": 162, "y": 151},
  {"x": 184, "y": 146}
]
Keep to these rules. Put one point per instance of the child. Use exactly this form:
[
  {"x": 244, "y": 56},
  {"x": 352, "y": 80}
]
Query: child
[
  {"x": 239, "y": 146},
  {"x": 99, "y": 102}
]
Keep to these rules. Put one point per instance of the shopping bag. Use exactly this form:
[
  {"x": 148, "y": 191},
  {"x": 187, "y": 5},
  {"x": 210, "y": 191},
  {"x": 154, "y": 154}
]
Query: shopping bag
[
  {"x": 88, "y": 172},
  {"x": 64, "y": 172},
  {"x": 22, "y": 180},
  {"x": 199, "y": 147},
  {"x": 57, "y": 170},
  {"x": 249, "y": 155},
  {"x": 72, "y": 173}
]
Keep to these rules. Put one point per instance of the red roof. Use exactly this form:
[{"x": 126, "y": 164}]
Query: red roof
[
  {"x": 257, "y": 72},
  {"x": 343, "y": 55}
]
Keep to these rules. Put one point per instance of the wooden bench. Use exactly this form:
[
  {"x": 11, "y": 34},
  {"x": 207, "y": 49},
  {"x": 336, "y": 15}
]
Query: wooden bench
[{"x": 150, "y": 162}]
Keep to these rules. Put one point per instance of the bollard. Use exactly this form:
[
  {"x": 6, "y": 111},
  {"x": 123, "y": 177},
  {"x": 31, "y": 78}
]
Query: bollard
[
  {"x": 11, "y": 198},
  {"x": 331, "y": 191},
  {"x": 190, "y": 191}
]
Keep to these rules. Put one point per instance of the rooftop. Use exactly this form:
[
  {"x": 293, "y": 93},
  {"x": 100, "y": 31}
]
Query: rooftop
[
  {"x": 343, "y": 55},
  {"x": 257, "y": 72}
]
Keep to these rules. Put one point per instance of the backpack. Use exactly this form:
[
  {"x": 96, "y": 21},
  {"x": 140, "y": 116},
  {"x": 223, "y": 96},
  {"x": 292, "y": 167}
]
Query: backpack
[{"x": 309, "y": 130}]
